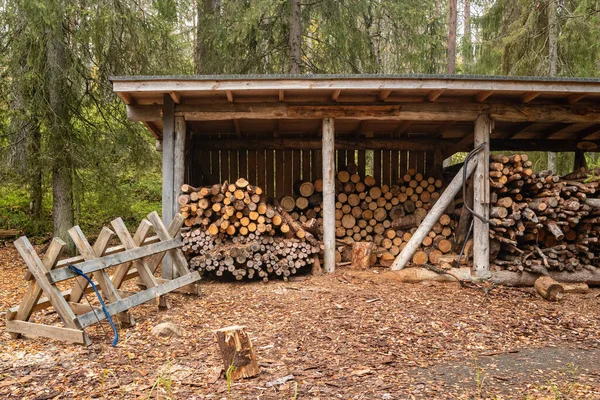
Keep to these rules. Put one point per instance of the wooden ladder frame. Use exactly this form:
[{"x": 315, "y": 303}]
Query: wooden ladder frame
[{"x": 137, "y": 256}]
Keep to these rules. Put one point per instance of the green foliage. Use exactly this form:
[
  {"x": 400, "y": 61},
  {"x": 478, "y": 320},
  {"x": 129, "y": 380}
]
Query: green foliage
[{"x": 114, "y": 168}]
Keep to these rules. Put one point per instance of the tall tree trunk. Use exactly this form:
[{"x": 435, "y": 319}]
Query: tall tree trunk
[
  {"x": 17, "y": 150},
  {"x": 35, "y": 174},
  {"x": 452, "y": 39},
  {"x": 60, "y": 143},
  {"x": 552, "y": 58},
  {"x": 206, "y": 22},
  {"x": 295, "y": 37},
  {"x": 467, "y": 46}
]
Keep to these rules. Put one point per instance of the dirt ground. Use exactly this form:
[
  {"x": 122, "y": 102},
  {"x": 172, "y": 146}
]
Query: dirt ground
[{"x": 347, "y": 336}]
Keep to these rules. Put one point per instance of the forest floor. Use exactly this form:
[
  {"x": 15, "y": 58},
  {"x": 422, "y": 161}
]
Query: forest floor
[{"x": 347, "y": 335}]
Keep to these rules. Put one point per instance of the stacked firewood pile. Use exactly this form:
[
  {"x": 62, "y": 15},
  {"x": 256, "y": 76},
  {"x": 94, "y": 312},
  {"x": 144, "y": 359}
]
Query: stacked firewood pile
[
  {"x": 387, "y": 216},
  {"x": 233, "y": 229},
  {"x": 541, "y": 221}
]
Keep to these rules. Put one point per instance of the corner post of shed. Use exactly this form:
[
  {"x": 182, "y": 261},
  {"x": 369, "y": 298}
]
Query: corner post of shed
[
  {"x": 168, "y": 166},
  {"x": 481, "y": 199},
  {"x": 328, "y": 151}
]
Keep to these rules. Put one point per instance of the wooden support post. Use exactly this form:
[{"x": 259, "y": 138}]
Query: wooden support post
[
  {"x": 178, "y": 162},
  {"x": 168, "y": 163},
  {"x": 432, "y": 216},
  {"x": 481, "y": 199},
  {"x": 329, "y": 194}
]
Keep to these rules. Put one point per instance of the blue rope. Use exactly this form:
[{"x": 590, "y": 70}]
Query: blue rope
[{"x": 112, "y": 324}]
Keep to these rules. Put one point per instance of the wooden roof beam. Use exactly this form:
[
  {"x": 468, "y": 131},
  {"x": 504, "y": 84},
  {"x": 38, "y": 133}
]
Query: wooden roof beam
[
  {"x": 384, "y": 94},
  {"x": 527, "y": 97},
  {"x": 335, "y": 95},
  {"x": 483, "y": 95},
  {"x": 401, "y": 129},
  {"x": 554, "y": 130},
  {"x": 281, "y": 95},
  {"x": 574, "y": 98},
  {"x": 460, "y": 112},
  {"x": 176, "y": 97},
  {"x": 433, "y": 95},
  {"x": 126, "y": 97},
  {"x": 236, "y": 126},
  {"x": 589, "y": 131},
  {"x": 229, "y": 95},
  {"x": 315, "y": 144},
  {"x": 520, "y": 128}
]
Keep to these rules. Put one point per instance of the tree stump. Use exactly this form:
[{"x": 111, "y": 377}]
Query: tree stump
[
  {"x": 548, "y": 288},
  {"x": 361, "y": 254},
  {"x": 239, "y": 360}
]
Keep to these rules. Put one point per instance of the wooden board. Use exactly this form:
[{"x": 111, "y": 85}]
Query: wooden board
[
  {"x": 68, "y": 335},
  {"x": 403, "y": 162},
  {"x": 395, "y": 167},
  {"x": 377, "y": 166},
  {"x": 306, "y": 167},
  {"x": 317, "y": 164},
  {"x": 252, "y": 167},
  {"x": 279, "y": 174},
  {"x": 270, "y": 171},
  {"x": 233, "y": 165},
  {"x": 243, "y": 163},
  {"x": 93, "y": 317},
  {"x": 362, "y": 162},
  {"x": 225, "y": 166},
  {"x": 387, "y": 167},
  {"x": 429, "y": 163},
  {"x": 412, "y": 160},
  {"x": 215, "y": 170},
  {"x": 287, "y": 173},
  {"x": 260, "y": 168},
  {"x": 93, "y": 265},
  {"x": 297, "y": 172},
  {"x": 420, "y": 161},
  {"x": 205, "y": 167},
  {"x": 340, "y": 157}
]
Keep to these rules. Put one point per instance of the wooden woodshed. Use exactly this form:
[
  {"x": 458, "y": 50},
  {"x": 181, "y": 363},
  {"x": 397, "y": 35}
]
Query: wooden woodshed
[{"x": 276, "y": 130}]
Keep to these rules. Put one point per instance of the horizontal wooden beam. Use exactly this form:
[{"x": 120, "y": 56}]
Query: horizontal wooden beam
[
  {"x": 332, "y": 83},
  {"x": 68, "y": 335},
  {"x": 557, "y": 145},
  {"x": 575, "y": 113},
  {"x": 136, "y": 299},
  {"x": 315, "y": 144},
  {"x": 97, "y": 264}
]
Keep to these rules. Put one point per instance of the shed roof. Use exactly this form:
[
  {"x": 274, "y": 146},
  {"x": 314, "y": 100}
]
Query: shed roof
[{"x": 237, "y": 98}]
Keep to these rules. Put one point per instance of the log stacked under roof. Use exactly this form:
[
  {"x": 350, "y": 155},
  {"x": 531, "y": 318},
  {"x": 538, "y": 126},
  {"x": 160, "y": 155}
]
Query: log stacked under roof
[
  {"x": 367, "y": 212},
  {"x": 234, "y": 219},
  {"x": 542, "y": 221}
]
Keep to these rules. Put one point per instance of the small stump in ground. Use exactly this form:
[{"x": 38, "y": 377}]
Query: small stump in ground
[
  {"x": 239, "y": 360},
  {"x": 362, "y": 253}
]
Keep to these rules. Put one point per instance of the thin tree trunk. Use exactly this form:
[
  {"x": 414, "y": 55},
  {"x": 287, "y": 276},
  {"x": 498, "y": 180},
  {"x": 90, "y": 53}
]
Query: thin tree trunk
[
  {"x": 452, "y": 39},
  {"x": 553, "y": 59},
  {"x": 466, "y": 48},
  {"x": 17, "y": 151},
  {"x": 60, "y": 148},
  {"x": 35, "y": 180},
  {"x": 295, "y": 37}
]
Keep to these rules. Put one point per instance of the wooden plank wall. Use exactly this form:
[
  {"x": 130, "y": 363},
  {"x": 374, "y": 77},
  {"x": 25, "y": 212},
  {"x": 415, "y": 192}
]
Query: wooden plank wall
[{"x": 276, "y": 171}]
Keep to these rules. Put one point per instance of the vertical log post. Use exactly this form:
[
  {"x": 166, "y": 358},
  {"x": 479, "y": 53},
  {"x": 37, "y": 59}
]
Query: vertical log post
[
  {"x": 481, "y": 199},
  {"x": 168, "y": 197},
  {"x": 178, "y": 168},
  {"x": 329, "y": 194}
]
